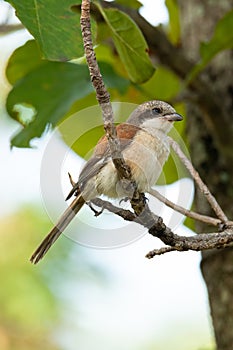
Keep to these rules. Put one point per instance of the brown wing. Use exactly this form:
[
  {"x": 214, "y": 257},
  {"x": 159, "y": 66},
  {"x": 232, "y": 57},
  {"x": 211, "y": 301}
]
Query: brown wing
[{"x": 125, "y": 133}]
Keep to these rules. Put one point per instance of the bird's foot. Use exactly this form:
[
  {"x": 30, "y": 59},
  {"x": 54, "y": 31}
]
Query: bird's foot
[
  {"x": 125, "y": 199},
  {"x": 96, "y": 212}
]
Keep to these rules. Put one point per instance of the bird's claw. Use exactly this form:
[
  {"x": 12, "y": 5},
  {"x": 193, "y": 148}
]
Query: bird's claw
[
  {"x": 125, "y": 199},
  {"x": 96, "y": 212}
]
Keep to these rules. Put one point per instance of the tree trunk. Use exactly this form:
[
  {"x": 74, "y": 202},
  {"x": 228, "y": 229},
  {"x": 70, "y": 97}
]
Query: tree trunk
[{"x": 198, "y": 19}]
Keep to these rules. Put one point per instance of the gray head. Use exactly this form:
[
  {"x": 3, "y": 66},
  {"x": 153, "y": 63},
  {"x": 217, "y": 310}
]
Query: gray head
[{"x": 154, "y": 114}]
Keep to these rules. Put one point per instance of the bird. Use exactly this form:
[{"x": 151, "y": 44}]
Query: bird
[{"x": 145, "y": 149}]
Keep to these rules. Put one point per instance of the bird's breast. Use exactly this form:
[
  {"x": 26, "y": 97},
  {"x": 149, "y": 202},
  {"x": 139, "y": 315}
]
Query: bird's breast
[{"x": 145, "y": 155}]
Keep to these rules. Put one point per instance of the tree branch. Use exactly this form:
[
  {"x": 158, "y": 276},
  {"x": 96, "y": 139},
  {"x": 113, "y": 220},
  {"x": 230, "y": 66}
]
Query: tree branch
[
  {"x": 200, "y": 242},
  {"x": 157, "y": 228}
]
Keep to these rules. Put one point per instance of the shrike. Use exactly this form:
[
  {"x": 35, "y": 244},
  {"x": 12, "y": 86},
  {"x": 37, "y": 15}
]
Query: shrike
[{"x": 144, "y": 148}]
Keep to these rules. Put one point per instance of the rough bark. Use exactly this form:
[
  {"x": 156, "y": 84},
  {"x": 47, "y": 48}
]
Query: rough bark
[{"x": 198, "y": 22}]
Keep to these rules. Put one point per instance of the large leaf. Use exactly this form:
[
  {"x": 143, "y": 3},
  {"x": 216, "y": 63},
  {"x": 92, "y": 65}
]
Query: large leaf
[
  {"x": 54, "y": 25},
  {"x": 221, "y": 40},
  {"x": 130, "y": 44},
  {"x": 51, "y": 90},
  {"x": 23, "y": 60},
  {"x": 26, "y": 58}
]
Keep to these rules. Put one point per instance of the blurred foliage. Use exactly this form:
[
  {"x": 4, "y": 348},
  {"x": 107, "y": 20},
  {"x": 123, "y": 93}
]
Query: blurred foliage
[
  {"x": 29, "y": 309},
  {"x": 51, "y": 88},
  {"x": 164, "y": 84},
  {"x": 222, "y": 40},
  {"x": 31, "y": 297},
  {"x": 135, "y": 4},
  {"x": 174, "y": 21}
]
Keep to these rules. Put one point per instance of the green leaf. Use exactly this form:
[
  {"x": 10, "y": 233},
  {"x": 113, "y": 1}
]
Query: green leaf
[
  {"x": 174, "y": 22},
  {"x": 164, "y": 85},
  {"x": 44, "y": 91},
  {"x": 134, "y": 4},
  {"x": 24, "y": 59},
  {"x": 51, "y": 90},
  {"x": 221, "y": 40},
  {"x": 190, "y": 223},
  {"x": 112, "y": 79},
  {"x": 84, "y": 144},
  {"x": 130, "y": 44},
  {"x": 54, "y": 25}
]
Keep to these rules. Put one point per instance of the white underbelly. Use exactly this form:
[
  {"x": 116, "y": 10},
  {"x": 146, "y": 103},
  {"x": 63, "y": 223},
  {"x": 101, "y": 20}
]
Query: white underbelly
[
  {"x": 145, "y": 156},
  {"x": 147, "y": 163}
]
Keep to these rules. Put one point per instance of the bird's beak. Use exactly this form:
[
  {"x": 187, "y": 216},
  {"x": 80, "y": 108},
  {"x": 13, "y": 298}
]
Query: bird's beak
[{"x": 174, "y": 117}]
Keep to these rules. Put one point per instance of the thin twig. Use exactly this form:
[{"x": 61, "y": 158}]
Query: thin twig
[
  {"x": 186, "y": 212},
  {"x": 200, "y": 242},
  {"x": 160, "y": 251},
  {"x": 9, "y": 28},
  {"x": 202, "y": 186}
]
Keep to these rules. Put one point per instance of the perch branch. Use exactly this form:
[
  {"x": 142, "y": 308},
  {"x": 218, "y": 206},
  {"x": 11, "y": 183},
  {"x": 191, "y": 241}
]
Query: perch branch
[{"x": 156, "y": 227}]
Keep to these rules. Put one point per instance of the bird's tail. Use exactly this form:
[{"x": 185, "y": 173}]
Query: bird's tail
[{"x": 57, "y": 230}]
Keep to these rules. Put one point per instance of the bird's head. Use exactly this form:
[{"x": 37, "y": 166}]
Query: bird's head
[{"x": 154, "y": 114}]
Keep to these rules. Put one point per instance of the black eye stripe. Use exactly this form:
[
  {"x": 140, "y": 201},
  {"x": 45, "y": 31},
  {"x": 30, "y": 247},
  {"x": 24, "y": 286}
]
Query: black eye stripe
[{"x": 156, "y": 110}]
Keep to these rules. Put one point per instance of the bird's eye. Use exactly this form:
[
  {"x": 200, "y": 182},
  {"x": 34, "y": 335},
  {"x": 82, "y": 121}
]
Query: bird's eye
[{"x": 156, "y": 110}]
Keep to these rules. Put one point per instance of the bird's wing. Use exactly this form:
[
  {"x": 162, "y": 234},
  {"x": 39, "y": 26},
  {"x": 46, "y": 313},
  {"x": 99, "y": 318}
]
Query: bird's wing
[{"x": 102, "y": 154}]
